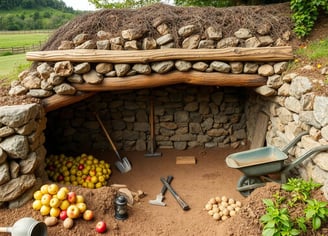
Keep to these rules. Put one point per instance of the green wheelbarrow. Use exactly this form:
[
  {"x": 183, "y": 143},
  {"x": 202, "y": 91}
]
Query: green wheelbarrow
[{"x": 257, "y": 164}]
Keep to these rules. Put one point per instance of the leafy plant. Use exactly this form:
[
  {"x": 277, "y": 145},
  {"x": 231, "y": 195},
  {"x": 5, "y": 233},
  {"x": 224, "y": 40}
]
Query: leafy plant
[
  {"x": 317, "y": 211},
  {"x": 305, "y": 13},
  {"x": 300, "y": 189},
  {"x": 277, "y": 221}
]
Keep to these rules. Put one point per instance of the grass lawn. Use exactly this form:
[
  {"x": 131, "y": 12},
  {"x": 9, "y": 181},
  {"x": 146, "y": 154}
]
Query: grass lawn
[
  {"x": 11, "y": 66},
  {"x": 8, "y": 40}
]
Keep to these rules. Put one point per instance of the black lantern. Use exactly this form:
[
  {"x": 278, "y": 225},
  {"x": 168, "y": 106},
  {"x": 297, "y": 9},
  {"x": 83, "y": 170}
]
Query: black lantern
[{"x": 121, "y": 209}]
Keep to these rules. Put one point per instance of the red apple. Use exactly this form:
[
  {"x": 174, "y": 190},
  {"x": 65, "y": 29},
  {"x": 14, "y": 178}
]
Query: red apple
[
  {"x": 60, "y": 178},
  {"x": 80, "y": 167},
  {"x": 73, "y": 212},
  {"x": 101, "y": 227},
  {"x": 63, "y": 215},
  {"x": 88, "y": 215},
  {"x": 71, "y": 197},
  {"x": 51, "y": 167}
]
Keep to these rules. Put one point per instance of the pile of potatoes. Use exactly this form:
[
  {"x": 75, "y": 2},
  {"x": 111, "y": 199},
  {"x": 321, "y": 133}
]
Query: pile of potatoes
[{"x": 221, "y": 208}]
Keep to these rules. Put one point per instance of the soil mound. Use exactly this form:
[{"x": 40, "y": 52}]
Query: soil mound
[{"x": 229, "y": 20}]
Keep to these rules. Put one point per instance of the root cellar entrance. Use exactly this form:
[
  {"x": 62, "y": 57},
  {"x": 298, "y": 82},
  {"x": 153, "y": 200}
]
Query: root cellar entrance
[{"x": 185, "y": 117}]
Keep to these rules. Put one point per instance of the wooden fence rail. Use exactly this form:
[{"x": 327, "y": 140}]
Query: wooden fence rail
[{"x": 22, "y": 49}]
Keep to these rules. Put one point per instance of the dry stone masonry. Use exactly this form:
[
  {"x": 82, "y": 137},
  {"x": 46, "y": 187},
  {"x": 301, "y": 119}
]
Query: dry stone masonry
[
  {"x": 293, "y": 106},
  {"x": 200, "y": 114},
  {"x": 62, "y": 77},
  {"x": 21, "y": 152}
]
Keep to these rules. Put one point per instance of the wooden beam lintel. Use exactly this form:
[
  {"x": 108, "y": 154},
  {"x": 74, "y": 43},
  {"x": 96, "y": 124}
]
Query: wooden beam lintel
[
  {"x": 260, "y": 54},
  {"x": 157, "y": 80}
]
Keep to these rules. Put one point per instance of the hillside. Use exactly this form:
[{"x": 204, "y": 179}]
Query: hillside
[{"x": 19, "y": 15}]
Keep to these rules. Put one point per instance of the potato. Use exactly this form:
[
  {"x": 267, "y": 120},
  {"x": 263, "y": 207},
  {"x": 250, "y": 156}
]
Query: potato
[
  {"x": 68, "y": 223},
  {"x": 212, "y": 200},
  {"x": 215, "y": 210},
  {"x": 238, "y": 203},
  {"x": 224, "y": 217},
  {"x": 231, "y": 201},
  {"x": 224, "y": 204},
  {"x": 221, "y": 208},
  {"x": 232, "y": 213},
  {"x": 216, "y": 216},
  {"x": 211, "y": 212},
  {"x": 208, "y": 206},
  {"x": 225, "y": 212},
  {"x": 50, "y": 221},
  {"x": 224, "y": 199},
  {"x": 218, "y": 199}
]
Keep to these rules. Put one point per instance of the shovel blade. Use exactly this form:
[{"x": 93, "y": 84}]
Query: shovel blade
[{"x": 124, "y": 165}]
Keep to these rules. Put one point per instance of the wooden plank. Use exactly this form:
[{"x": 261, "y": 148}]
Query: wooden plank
[
  {"x": 260, "y": 131},
  {"x": 58, "y": 101},
  {"x": 183, "y": 160},
  {"x": 176, "y": 77},
  {"x": 267, "y": 54}
]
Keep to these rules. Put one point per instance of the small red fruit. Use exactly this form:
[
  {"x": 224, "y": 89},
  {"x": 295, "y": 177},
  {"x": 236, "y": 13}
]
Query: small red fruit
[
  {"x": 63, "y": 215},
  {"x": 101, "y": 227},
  {"x": 60, "y": 178},
  {"x": 80, "y": 167},
  {"x": 71, "y": 197}
]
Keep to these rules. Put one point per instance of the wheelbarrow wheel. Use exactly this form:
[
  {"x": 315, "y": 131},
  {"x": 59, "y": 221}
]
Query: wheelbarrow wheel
[{"x": 245, "y": 181}]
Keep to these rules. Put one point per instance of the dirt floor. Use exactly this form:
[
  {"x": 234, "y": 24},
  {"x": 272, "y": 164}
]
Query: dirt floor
[{"x": 195, "y": 183}]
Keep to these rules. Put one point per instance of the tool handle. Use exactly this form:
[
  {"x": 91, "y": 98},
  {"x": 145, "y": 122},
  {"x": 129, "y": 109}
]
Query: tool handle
[
  {"x": 6, "y": 229},
  {"x": 164, "y": 188},
  {"x": 108, "y": 137},
  {"x": 182, "y": 203}
]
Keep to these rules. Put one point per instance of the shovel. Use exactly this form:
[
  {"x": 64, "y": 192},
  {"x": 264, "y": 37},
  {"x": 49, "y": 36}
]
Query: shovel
[
  {"x": 26, "y": 226},
  {"x": 123, "y": 165}
]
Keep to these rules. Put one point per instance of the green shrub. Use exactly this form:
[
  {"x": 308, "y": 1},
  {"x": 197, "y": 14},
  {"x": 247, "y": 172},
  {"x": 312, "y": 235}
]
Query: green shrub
[
  {"x": 278, "y": 222},
  {"x": 305, "y": 13}
]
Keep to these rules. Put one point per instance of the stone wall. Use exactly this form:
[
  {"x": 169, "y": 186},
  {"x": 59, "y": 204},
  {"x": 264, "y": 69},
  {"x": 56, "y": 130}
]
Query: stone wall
[
  {"x": 186, "y": 116},
  {"x": 21, "y": 152},
  {"x": 296, "y": 106}
]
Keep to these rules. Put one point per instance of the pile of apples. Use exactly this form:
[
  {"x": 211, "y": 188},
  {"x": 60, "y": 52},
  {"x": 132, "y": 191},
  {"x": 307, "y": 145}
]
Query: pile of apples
[
  {"x": 61, "y": 203},
  {"x": 84, "y": 170}
]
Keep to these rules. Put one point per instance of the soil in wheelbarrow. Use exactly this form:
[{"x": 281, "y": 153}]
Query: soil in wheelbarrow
[{"x": 195, "y": 183}]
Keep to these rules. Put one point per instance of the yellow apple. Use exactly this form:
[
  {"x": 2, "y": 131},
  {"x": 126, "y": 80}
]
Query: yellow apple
[
  {"x": 88, "y": 215},
  {"x": 45, "y": 210},
  {"x": 82, "y": 206},
  {"x": 45, "y": 200},
  {"x": 61, "y": 194},
  {"x": 53, "y": 189},
  {"x": 73, "y": 212},
  {"x": 64, "y": 205},
  {"x": 54, "y": 211},
  {"x": 94, "y": 179},
  {"x": 44, "y": 189},
  {"x": 37, "y": 195},
  {"x": 65, "y": 189},
  {"x": 54, "y": 202},
  {"x": 36, "y": 205},
  {"x": 79, "y": 198}
]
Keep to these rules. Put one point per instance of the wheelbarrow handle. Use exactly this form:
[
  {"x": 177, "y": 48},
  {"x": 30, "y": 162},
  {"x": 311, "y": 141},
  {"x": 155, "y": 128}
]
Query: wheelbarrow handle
[
  {"x": 293, "y": 142},
  {"x": 303, "y": 157}
]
